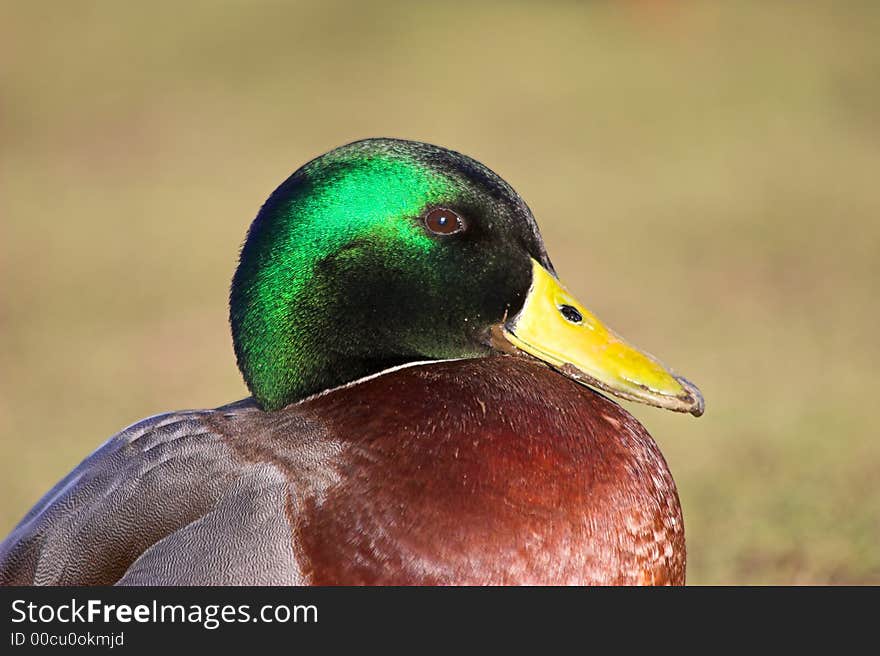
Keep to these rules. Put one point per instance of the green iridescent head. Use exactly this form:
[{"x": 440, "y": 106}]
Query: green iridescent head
[
  {"x": 384, "y": 252},
  {"x": 375, "y": 254}
]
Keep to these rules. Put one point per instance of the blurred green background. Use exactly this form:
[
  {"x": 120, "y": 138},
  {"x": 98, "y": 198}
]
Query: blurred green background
[{"x": 705, "y": 175}]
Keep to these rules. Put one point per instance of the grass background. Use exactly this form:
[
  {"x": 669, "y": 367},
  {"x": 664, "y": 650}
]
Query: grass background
[{"x": 705, "y": 175}]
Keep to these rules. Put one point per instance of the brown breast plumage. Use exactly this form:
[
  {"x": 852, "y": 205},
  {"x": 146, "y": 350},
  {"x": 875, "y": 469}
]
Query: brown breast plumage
[{"x": 483, "y": 471}]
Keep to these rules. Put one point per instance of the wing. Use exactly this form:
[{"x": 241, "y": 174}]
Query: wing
[{"x": 165, "y": 502}]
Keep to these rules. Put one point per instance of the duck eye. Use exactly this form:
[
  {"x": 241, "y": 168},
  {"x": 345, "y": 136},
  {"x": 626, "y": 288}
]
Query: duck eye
[{"x": 442, "y": 221}]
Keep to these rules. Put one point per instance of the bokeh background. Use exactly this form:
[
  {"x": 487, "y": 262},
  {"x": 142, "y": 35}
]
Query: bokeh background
[{"x": 705, "y": 175}]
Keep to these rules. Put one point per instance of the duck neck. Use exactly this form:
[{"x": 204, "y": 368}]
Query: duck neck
[{"x": 290, "y": 350}]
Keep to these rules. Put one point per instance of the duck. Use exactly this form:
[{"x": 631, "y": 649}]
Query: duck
[{"x": 429, "y": 405}]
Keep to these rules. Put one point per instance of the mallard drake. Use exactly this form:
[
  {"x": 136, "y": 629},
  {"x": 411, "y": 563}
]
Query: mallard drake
[{"x": 423, "y": 410}]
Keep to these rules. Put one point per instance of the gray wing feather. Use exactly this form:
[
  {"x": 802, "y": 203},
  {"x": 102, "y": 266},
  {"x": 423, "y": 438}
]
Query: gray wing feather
[
  {"x": 241, "y": 541},
  {"x": 164, "y": 502}
]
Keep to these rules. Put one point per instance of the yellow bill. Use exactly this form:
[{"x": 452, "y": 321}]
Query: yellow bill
[{"x": 554, "y": 327}]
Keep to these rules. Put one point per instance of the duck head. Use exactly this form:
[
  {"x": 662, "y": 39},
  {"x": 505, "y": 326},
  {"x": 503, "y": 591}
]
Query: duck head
[{"x": 384, "y": 252}]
